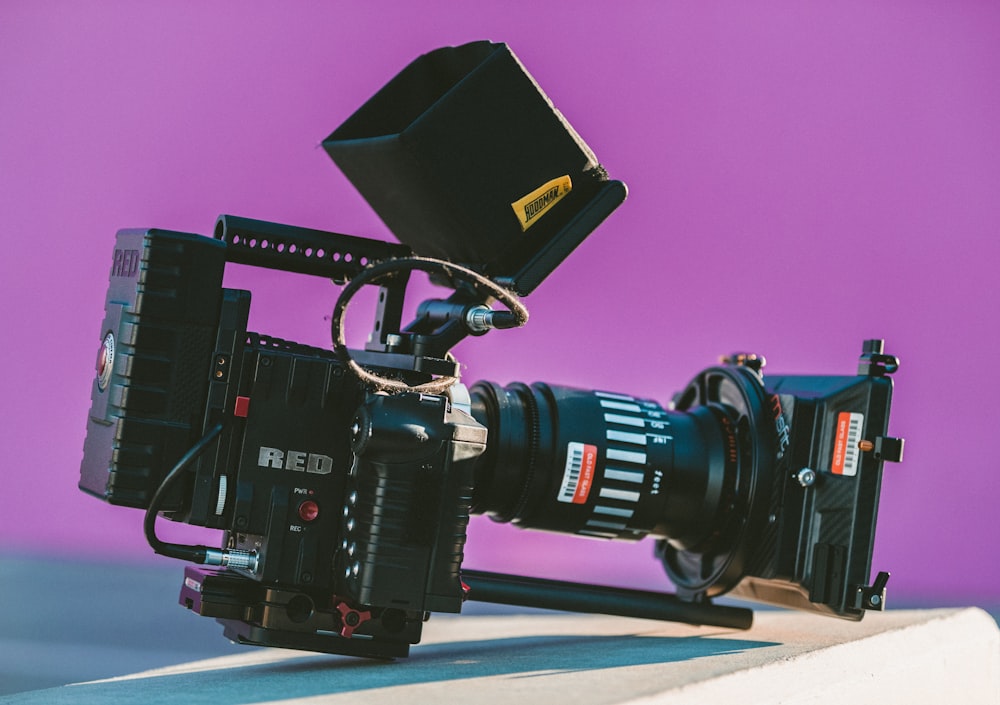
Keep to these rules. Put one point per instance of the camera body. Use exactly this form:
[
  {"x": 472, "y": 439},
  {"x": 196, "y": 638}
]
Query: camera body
[
  {"x": 283, "y": 478},
  {"x": 353, "y": 504},
  {"x": 343, "y": 480}
]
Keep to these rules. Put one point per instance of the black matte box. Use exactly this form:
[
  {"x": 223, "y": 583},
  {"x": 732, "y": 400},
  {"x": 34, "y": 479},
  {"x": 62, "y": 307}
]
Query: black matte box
[{"x": 448, "y": 145}]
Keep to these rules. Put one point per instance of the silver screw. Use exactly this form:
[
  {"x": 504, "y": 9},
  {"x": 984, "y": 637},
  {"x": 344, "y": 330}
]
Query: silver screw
[{"x": 806, "y": 477}]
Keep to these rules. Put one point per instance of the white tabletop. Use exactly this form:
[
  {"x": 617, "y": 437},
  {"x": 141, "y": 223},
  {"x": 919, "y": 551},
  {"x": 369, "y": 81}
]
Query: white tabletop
[{"x": 913, "y": 656}]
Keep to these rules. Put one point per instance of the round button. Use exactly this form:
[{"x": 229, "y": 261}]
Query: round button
[
  {"x": 308, "y": 510},
  {"x": 105, "y": 361}
]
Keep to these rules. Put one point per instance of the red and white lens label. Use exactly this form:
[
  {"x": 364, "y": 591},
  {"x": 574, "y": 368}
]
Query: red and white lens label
[
  {"x": 846, "y": 455},
  {"x": 578, "y": 477}
]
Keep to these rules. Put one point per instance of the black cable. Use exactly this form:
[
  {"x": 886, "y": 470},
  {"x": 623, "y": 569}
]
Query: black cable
[{"x": 195, "y": 554}]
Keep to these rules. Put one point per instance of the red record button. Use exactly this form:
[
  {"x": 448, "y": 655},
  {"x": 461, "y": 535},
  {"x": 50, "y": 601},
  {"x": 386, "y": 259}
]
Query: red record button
[{"x": 308, "y": 510}]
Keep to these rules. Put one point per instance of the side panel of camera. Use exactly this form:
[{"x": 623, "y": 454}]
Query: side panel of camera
[
  {"x": 824, "y": 509},
  {"x": 159, "y": 330},
  {"x": 286, "y": 501},
  {"x": 208, "y": 485}
]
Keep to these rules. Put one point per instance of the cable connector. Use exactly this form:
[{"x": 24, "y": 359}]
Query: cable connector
[
  {"x": 231, "y": 558},
  {"x": 480, "y": 319}
]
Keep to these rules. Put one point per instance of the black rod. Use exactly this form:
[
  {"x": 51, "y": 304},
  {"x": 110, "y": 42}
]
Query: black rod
[
  {"x": 595, "y": 599},
  {"x": 302, "y": 250}
]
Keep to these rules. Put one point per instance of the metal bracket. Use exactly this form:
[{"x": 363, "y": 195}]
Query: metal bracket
[
  {"x": 889, "y": 449},
  {"x": 873, "y": 596},
  {"x": 874, "y": 362}
]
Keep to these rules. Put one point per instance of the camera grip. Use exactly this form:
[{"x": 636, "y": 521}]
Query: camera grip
[{"x": 406, "y": 527}]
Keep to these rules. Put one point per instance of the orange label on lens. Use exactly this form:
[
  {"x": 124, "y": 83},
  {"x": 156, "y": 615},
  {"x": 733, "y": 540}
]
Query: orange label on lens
[{"x": 578, "y": 477}]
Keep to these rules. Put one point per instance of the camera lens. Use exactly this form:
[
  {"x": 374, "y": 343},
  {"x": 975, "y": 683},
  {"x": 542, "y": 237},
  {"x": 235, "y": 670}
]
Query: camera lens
[{"x": 614, "y": 466}]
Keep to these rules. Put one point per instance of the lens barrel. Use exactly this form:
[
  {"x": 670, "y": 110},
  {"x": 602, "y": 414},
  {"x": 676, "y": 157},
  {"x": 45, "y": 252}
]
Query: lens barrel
[
  {"x": 599, "y": 464},
  {"x": 614, "y": 466}
]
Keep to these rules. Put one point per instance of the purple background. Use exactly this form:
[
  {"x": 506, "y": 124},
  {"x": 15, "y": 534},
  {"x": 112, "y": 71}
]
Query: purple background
[{"x": 802, "y": 176}]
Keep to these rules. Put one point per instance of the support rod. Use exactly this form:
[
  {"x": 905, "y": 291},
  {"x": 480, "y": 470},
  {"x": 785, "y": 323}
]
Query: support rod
[{"x": 594, "y": 599}]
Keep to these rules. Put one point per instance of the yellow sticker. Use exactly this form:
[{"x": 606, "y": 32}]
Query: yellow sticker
[{"x": 533, "y": 206}]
